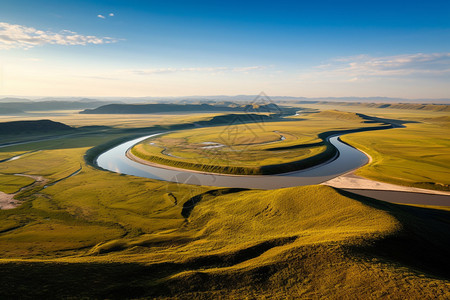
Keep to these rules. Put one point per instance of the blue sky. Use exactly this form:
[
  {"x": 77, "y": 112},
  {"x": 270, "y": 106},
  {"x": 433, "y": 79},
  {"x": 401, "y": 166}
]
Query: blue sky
[{"x": 176, "y": 48}]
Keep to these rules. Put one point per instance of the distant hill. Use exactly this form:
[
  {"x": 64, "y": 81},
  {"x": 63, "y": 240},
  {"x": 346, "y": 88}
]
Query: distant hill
[
  {"x": 10, "y": 111},
  {"x": 49, "y": 105},
  {"x": 169, "y": 108},
  {"x": 11, "y": 99},
  {"x": 414, "y": 106},
  {"x": 33, "y": 127},
  {"x": 279, "y": 99}
]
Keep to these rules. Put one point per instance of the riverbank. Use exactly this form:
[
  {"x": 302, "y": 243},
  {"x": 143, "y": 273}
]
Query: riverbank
[{"x": 352, "y": 181}]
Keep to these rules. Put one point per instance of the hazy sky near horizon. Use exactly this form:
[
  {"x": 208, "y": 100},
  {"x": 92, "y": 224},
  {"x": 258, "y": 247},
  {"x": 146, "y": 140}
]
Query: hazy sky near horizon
[{"x": 179, "y": 48}]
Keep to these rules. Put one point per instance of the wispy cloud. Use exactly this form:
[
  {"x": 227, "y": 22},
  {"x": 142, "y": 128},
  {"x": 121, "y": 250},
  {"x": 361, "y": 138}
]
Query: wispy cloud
[
  {"x": 193, "y": 69},
  {"x": 363, "y": 67},
  {"x": 18, "y": 36},
  {"x": 247, "y": 69},
  {"x": 104, "y": 16}
]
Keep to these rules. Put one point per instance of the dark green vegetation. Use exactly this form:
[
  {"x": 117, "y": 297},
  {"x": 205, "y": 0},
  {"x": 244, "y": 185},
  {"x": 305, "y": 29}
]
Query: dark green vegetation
[
  {"x": 104, "y": 235},
  {"x": 158, "y": 108},
  {"x": 33, "y": 127}
]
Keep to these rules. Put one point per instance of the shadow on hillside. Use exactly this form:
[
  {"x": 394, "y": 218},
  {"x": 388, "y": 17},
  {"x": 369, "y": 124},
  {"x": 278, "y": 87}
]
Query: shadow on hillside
[
  {"x": 41, "y": 280},
  {"x": 394, "y": 122},
  {"x": 422, "y": 243},
  {"x": 79, "y": 137},
  {"x": 189, "y": 205}
]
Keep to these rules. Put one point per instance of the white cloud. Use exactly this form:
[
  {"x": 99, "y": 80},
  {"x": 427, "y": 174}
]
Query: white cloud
[
  {"x": 105, "y": 16},
  {"x": 193, "y": 69},
  {"x": 362, "y": 67},
  {"x": 246, "y": 69},
  {"x": 18, "y": 36}
]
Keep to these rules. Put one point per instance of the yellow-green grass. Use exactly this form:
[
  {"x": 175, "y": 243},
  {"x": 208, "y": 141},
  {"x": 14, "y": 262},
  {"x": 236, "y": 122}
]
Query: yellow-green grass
[
  {"x": 73, "y": 118},
  {"x": 109, "y": 122},
  {"x": 300, "y": 242},
  {"x": 71, "y": 214},
  {"x": 418, "y": 155},
  {"x": 12, "y": 183},
  {"x": 9, "y": 154},
  {"x": 249, "y": 148},
  {"x": 402, "y": 114},
  {"x": 104, "y": 235},
  {"x": 221, "y": 224}
]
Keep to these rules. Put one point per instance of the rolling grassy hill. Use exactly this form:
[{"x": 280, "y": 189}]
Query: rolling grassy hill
[
  {"x": 405, "y": 106},
  {"x": 296, "y": 242},
  {"x": 158, "y": 108},
  {"x": 33, "y": 127},
  {"x": 105, "y": 235}
]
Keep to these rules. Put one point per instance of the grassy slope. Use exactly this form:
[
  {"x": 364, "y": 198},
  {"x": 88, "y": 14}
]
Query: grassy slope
[
  {"x": 300, "y": 242},
  {"x": 250, "y": 148},
  {"x": 418, "y": 155},
  {"x": 105, "y": 235},
  {"x": 87, "y": 193},
  {"x": 11, "y": 183}
]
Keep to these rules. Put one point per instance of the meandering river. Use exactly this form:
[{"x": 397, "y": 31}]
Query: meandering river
[{"x": 348, "y": 159}]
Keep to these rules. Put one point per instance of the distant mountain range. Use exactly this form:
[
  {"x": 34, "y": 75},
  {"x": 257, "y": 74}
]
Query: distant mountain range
[
  {"x": 116, "y": 105},
  {"x": 206, "y": 99},
  {"x": 170, "y": 108},
  {"x": 18, "y": 106},
  {"x": 414, "y": 106}
]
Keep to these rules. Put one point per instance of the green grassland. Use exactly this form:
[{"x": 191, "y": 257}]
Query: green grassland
[
  {"x": 12, "y": 183},
  {"x": 388, "y": 112},
  {"x": 260, "y": 148},
  {"x": 102, "y": 122},
  {"x": 73, "y": 118},
  {"x": 100, "y": 234},
  {"x": 418, "y": 155}
]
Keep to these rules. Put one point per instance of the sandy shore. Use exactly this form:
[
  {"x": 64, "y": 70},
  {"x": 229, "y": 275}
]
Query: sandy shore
[
  {"x": 352, "y": 181},
  {"x": 7, "y": 201}
]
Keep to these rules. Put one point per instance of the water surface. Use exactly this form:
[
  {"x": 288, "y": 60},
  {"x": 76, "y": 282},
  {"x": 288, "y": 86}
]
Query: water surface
[{"x": 348, "y": 159}]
